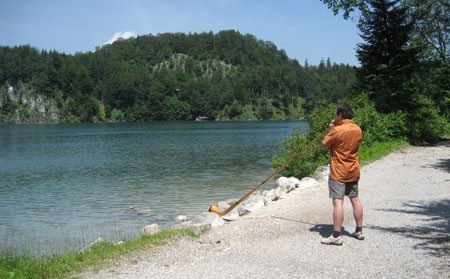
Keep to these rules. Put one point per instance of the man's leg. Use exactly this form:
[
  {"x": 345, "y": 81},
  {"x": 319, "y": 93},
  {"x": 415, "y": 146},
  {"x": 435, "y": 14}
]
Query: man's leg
[
  {"x": 336, "y": 192},
  {"x": 358, "y": 214},
  {"x": 357, "y": 211},
  {"x": 338, "y": 214}
]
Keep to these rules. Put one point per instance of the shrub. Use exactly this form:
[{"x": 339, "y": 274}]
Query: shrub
[
  {"x": 376, "y": 127},
  {"x": 427, "y": 124},
  {"x": 319, "y": 119}
]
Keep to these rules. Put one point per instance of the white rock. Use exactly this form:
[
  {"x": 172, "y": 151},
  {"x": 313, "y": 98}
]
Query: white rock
[
  {"x": 253, "y": 203},
  {"x": 195, "y": 228},
  {"x": 269, "y": 196},
  {"x": 223, "y": 205},
  {"x": 151, "y": 229},
  {"x": 321, "y": 173},
  {"x": 233, "y": 215},
  {"x": 181, "y": 218},
  {"x": 294, "y": 181},
  {"x": 280, "y": 193},
  {"x": 287, "y": 183},
  {"x": 282, "y": 182},
  {"x": 210, "y": 218},
  {"x": 307, "y": 182}
]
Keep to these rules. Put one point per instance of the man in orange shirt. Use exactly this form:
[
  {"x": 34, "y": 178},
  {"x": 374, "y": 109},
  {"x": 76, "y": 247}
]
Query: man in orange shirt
[{"x": 344, "y": 139}]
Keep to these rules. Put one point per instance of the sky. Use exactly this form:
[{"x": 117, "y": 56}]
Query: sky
[{"x": 305, "y": 29}]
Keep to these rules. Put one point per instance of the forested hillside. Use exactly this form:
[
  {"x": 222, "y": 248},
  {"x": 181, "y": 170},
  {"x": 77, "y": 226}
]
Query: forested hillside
[{"x": 166, "y": 77}]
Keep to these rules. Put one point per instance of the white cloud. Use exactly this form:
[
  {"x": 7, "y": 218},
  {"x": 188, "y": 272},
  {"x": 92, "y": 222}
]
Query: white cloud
[{"x": 123, "y": 35}]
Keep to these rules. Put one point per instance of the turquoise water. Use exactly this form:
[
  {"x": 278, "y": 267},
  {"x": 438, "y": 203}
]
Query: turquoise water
[{"x": 64, "y": 185}]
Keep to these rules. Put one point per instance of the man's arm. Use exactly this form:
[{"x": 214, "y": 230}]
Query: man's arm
[{"x": 325, "y": 140}]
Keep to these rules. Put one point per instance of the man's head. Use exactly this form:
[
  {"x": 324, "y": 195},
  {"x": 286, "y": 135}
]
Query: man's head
[{"x": 345, "y": 111}]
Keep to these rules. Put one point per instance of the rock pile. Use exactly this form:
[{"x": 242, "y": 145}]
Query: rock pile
[{"x": 257, "y": 200}]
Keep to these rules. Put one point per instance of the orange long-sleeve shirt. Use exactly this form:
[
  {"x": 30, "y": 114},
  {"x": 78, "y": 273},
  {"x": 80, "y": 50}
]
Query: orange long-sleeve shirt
[{"x": 344, "y": 141}]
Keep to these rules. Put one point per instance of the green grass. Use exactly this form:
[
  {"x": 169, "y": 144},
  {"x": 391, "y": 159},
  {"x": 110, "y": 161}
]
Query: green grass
[
  {"x": 379, "y": 150},
  {"x": 70, "y": 264}
]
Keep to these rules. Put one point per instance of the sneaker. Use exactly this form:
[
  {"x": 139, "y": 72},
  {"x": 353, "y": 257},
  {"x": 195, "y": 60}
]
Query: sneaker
[
  {"x": 358, "y": 235},
  {"x": 332, "y": 241}
]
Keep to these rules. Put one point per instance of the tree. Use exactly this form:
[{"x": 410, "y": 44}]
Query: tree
[
  {"x": 394, "y": 70},
  {"x": 347, "y": 6},
  {"x": 431, "y": 21},
  {"x": 138, "y": 79},
  {"x": 388, "y": 60},
  {"x": 431, "y": 27}
]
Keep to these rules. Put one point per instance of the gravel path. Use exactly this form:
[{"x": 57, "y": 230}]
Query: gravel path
[{"x": 406, "y": 200}]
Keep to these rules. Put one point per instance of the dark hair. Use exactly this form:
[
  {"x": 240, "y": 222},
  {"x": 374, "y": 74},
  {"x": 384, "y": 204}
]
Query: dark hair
[{"x": 345, "y": 110}]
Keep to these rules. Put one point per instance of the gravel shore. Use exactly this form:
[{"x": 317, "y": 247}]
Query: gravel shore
[{"x": 406, "y": 200}]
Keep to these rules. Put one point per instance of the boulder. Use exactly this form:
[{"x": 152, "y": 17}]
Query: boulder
[
  {"x": 283, "y": 182},
  {"x": 280, "y": 193},
  {"x": 223, "y": 205},
  {"x": 197, "y": 229},
  {"x": 321, "y": 173},
  {"x": 287, "y": 184},
  {"x": 151, "y": 229},
  {"x": 210, "y": 218},
  {"x": 269, "y": 196},
  {"x": 294, "y": 181},
  {"x": 181, "y": 218},
  {"x": 233, "y": 215},
  {"x": 307, "y": 182},
  {"x": 252, "y": 203}
]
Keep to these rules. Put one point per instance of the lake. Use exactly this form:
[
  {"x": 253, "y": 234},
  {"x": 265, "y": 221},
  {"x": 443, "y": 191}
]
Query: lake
[{"x": 64, "y": 185}]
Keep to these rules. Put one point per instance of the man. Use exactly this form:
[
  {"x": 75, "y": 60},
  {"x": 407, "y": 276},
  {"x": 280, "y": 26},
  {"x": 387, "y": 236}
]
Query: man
[{"x": 343, "y": 139}]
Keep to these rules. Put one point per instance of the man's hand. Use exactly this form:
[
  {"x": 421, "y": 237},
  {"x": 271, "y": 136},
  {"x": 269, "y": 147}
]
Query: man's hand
[{"x": 332, "y": 124}]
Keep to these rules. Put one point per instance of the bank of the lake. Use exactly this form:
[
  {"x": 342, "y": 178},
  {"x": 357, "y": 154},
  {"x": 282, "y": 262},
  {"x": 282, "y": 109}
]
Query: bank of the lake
[
  {"x": 405, "y": 197},
  {"x": 406, "y": 207}
]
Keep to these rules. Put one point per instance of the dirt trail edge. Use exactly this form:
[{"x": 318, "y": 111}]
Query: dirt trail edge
[{"x": 406, "y": 200}]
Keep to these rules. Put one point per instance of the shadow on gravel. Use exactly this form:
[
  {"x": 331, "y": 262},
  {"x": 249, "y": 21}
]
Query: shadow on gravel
[
  {"x": 442, "y": 164},
  {"x": 325, "y": 230},
  {"x": 291, "y": 220},
  {"x": 435, "y": 236}
]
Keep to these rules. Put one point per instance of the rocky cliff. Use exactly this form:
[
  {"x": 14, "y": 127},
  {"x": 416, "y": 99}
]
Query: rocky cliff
[{"x": 19, "y": 103}]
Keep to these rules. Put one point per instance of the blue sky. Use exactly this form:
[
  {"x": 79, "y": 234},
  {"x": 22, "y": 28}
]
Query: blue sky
[{"x": 305, "y": 29}]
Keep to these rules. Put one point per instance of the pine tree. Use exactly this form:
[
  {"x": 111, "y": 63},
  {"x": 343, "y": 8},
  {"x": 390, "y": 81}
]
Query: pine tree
[{"x": 388, "y": 60}]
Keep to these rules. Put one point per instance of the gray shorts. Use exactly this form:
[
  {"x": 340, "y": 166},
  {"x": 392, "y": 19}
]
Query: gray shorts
[{"x": 339, "y": 189}]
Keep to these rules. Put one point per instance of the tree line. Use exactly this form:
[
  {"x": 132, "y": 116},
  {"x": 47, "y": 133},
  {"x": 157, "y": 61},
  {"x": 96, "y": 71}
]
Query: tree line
[
  {"x": 402, "y": 91},
  {"x": 173, "y": 76}
]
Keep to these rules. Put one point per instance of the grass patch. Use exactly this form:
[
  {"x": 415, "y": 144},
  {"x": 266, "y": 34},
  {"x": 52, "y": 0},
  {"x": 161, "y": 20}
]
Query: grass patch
[
  {"x": 379, "y": 150},
  {"x": 12, "y": 266}
]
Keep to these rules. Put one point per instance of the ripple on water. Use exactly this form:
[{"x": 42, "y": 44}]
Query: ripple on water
[{"x": 64, "y": 185}]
